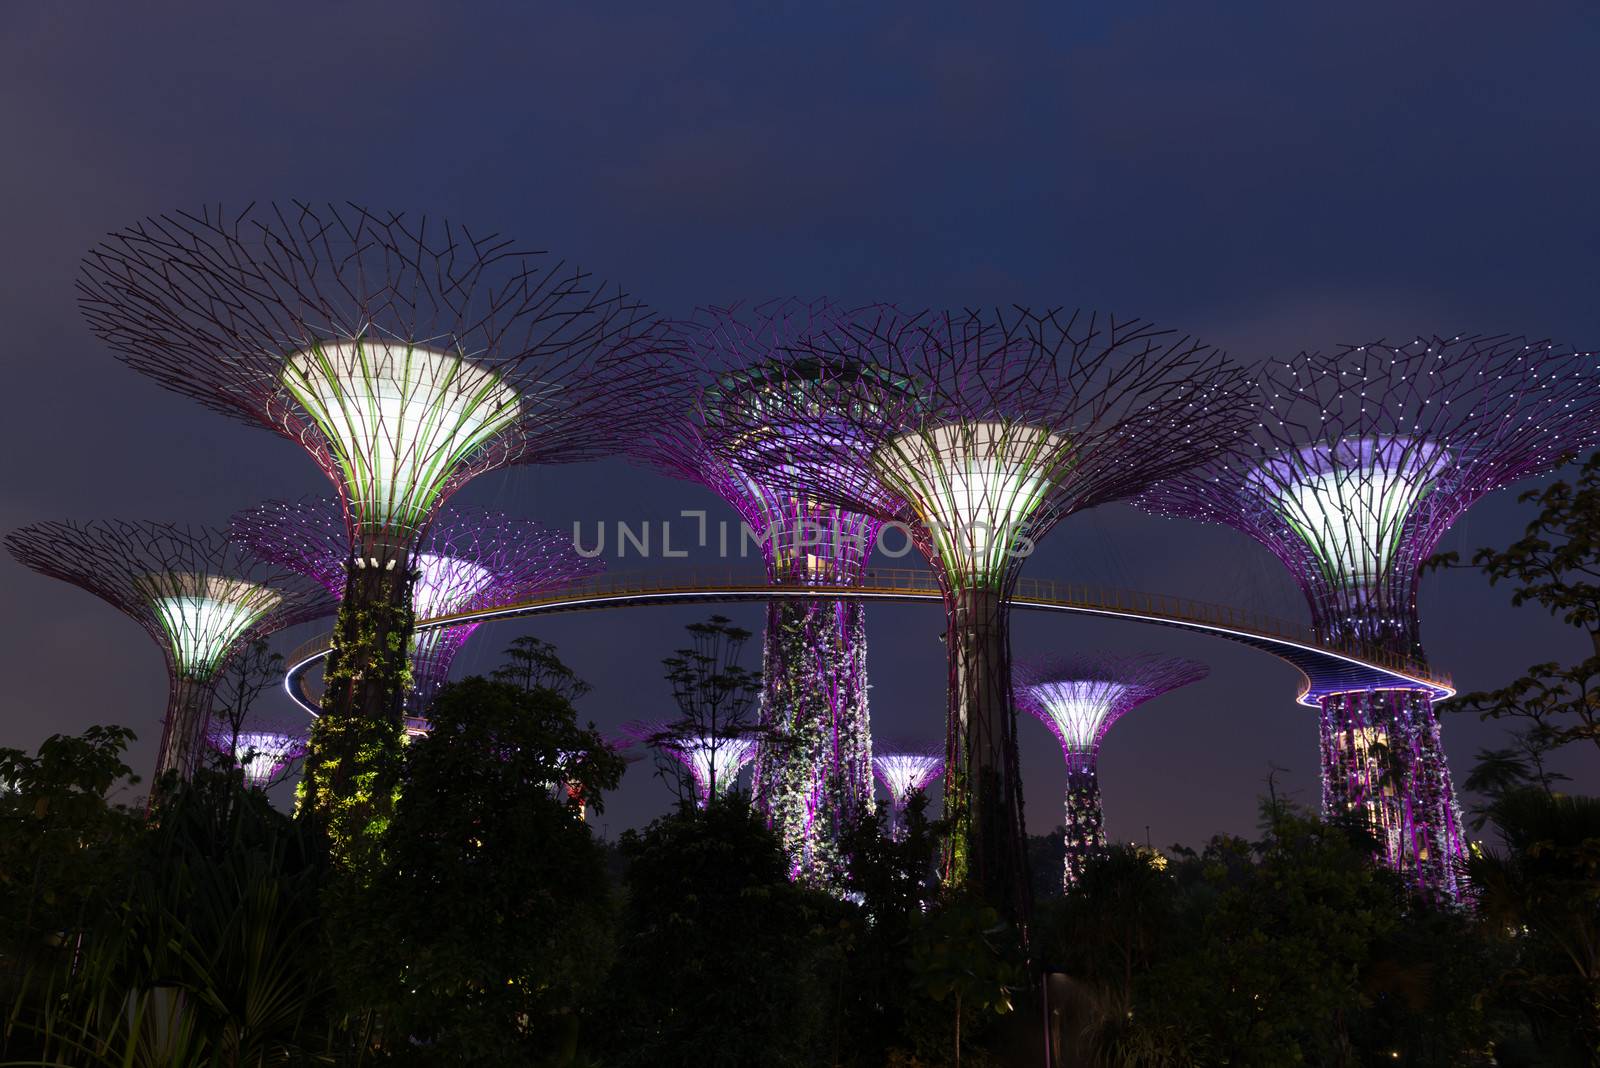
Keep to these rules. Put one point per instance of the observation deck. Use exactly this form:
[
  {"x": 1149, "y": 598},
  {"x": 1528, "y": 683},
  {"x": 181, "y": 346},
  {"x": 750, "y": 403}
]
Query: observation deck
[{"x": 1325, "y": 669}]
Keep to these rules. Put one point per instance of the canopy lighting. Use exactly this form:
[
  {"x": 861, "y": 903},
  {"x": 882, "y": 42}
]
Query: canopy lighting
[
  {"x": 204, "y": 615},
  {"x": 1350, "y": 501},
  {"x": 903, "y": 774},
  {"x": 399, "y": 418},
  {"x": 1079, "y": 709},
  {"x": 976, "y": 486}
]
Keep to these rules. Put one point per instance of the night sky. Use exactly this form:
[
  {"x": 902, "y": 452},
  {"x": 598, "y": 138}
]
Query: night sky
[{"x": 1271, "y": 176}]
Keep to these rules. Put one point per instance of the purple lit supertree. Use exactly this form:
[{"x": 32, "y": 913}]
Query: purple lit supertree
[
  {"x": 979, "y": 433},
  {"x": 1078, "y": 698},
  {"x": 467, "y": 559},
  {"x": 905, "y": 773},
  {"x": 406, "y": 355},
  {"x": 1359, "y": 463},
  {"x": 198, "y": 596},
  {"x": 813, "y": 763},
  {"x": 712, "y": 761},
  {"x": 264, "y": 755}
]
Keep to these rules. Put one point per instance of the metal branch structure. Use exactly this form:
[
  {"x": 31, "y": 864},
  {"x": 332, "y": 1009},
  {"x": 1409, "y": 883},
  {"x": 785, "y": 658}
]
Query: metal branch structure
[
  {"x": 1360, "y": 461},
  {"x": 467, "y": 560},
  {"x": 1078, "y": 698},
  {"x": 200, "y": 598},
  {"x": 978, "y": 433},
  {"x": 406, "y": 355},
  {"x": 813, "y": 764},
  {"x": 264, "y": 756},
  {"x": 713, "y": 761},
  {"x": 905, "y": 773}
]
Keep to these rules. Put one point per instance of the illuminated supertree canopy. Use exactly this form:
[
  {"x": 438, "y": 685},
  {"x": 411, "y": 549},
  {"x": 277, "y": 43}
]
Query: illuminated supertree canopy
[
  {"x": 813, "y": 764},
  {"x": 198, "y": 596},
  {"x": 1079, "y": 698},
  {"x": 406, "y": 355},
  {"x": 264, "y": 756},
  {"x": 713, "y": 761},
  {"x": 468, "y": 559},
  {"x": 905, "y": 773},
  {"x": 979, "y": 433},
  {"x": 1358, "y": 464}
]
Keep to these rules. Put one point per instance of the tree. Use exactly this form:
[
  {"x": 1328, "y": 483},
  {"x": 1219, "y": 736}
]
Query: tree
[
  {"x": 489, "y": 925},
  {"x": 720, "y": 954},
  {"x": 63, "y": 837},
  {"x": 532, "y": 664},
  {"x": 967, "y": 952},
  {"x": 1540, "y": 896},
  {"x": 1556, "y": 563},
  {"x": 247, "y": 676},
  {"x": 715, "y": 695}
]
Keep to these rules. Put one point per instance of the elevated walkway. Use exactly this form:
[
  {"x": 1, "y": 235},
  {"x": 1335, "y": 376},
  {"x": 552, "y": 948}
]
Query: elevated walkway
[{"x": 1325, "y": 669}]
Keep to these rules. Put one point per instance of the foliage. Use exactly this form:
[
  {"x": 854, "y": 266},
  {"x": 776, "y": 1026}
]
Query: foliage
[
  {"x": 248, "y": 674},
  {"x": 352, "y": 767},
  {"x": 1556, "y": 564},
  {"x": 966, "y": 952},
  {"x": 532, "y": 664},
  {"x": 1296, "y": 949},
  {"x": 876, "y": 1009},
  {"x": 715, "y": 695},
  {"x": 720, "y": 956},
  {"x": 1540, "y": 897},
  {"x": 63, "y": 841},
  {"x": 201, "y": 956},
  {"x": 487, "y": 928}
]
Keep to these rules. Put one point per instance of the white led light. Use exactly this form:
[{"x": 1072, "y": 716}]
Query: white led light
[
  {"x": 1349, "y": 501},
  {"x": 204, "y": 615},
  {"x": 399, "y": 418},
  {"x": 1078, "y": 708},
  {"x": 976, "y": 486}
]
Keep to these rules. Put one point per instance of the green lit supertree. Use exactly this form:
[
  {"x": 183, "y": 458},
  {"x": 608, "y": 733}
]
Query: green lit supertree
[
  {"x": 406, "y": 355},
  {"x": 977, "y": 433},
  {"x": 200, "y": 598}
]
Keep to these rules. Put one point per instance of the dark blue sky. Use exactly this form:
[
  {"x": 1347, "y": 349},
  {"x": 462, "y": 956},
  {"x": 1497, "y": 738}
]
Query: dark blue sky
[{"x": 1272, "y": 176}]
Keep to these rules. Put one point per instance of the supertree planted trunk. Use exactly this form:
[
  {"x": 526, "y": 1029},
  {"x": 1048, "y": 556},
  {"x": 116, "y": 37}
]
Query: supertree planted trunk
[
  {"x": 813, "y": 759},
  {"x": 1359, "y": 463},
  {"x": 195, "y": 594},
  {"x": 406, "y": 356},
  {"x": 1084, "y": 817},
  {"x": 812, "y": 778}
]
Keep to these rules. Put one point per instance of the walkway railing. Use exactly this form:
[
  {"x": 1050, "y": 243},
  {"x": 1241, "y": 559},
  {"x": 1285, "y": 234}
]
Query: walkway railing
[{"x": 912, "y": 583}]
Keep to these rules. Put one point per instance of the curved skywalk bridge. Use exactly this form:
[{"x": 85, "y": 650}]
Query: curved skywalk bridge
[{"x": 1324, "y": 668}]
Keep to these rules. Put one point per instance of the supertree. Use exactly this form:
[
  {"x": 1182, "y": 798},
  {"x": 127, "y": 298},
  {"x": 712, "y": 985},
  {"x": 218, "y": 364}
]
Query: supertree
[
  {"x": 712, "y": 761},
  {"x": 1078, "y": 698},
  {"x": 467, "y": 559},
  {"x": 197, "y": 595},
  {"x": 978, "y": 433},
  {"x": 1359, "y": 463},
  {"x": 904, "y": 774},
  {"x": 813, "y": 762},
  {"x": 406, "y": 355},
  {"x": 264, "y": 755}
]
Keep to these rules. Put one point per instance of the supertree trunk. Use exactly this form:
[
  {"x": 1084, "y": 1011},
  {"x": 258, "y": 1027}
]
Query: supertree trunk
[
  {"x": 1382, "y": 762},
  {"x": 184, "y": 729},
  {"x": 1084, "y": 818},
  {"x": 986, "y": 848},
  {"x": 352, "y": 768},
  {"x": 813, "y": 765}
]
